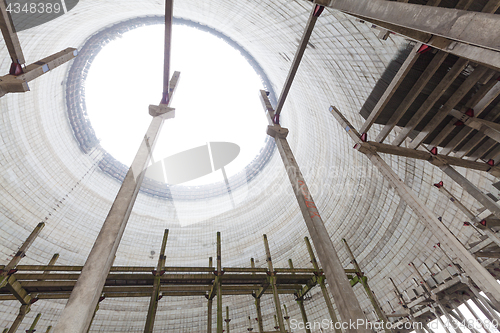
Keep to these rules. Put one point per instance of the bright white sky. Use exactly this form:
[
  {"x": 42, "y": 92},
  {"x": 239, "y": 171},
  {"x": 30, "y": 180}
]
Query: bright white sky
[{"x": 216, "y": 99}]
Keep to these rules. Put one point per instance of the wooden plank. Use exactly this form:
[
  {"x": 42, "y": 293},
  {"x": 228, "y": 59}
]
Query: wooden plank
[
  {"x": 429, "y": 102},
  {"x": 391, "y": 89},
  {"x": 412, "y": 94}
]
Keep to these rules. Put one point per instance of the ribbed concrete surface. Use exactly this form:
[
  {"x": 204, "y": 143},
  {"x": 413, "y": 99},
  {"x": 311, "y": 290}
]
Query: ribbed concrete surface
[{"x": 40, "y": 164}]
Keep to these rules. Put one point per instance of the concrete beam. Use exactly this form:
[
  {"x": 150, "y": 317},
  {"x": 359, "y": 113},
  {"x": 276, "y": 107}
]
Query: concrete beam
[{"x": 23, "y": 311}]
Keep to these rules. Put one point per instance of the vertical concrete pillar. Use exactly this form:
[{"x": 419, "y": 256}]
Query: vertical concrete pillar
[
  {"x": 77, "y": 314},
  {"x": 209, "y": 305},
  {"x": 155, "y": 294},
  {"x": 250, "y": 328},
  {"x": 274, "y": 287},
  {"x": 485, "y": 308},
  {"x": 345, "y": 299},
  {"x": 364, "y": 282},
  {"x": 300, "y": 303},
  {"x": 93, "y": 317},
  {"x": 455, "y": 326},
  {"x": 23, "y": 310},
  {"x": 438, "y": 317},
  {"x": 227, "y": 320},
  {"x": 461, "y": 317},
  {"x": 219, "y": 289}
]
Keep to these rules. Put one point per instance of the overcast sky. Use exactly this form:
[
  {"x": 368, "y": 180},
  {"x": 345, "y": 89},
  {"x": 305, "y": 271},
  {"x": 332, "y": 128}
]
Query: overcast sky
[{"x": 216, "y": 100}]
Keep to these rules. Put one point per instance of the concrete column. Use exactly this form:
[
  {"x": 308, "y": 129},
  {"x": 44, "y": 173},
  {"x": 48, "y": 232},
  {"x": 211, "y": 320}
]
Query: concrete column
[
  {"x": 153, "y": 302},
  {"x": 219, "y": 289},
  {"x": 4, "y": 274},
  {"x": 300, "y": 302},
  {"x": 471, "y": 189},
  {"x": 25, "y": 309},
  {"x": 473, "y": 219},
  {"x": 250, "y": 328},
  {"x": 461, "y": 317},
  {"x": 287, "y": 318},
  {"x": 93, "y": 316},
  {"x": 260, "y": 325},
  {"x": 471, "y": 310},
  {"x": 257, "y": 304},
  {"x": 448, "y": 241},
  {"x": 274, "y": 287},
  {"x": 227, "y": 320},
  {"x": 33, "y": 325},
  {"x": 77, "y": 314},
  {"x": 345, "y": 299},
  {"x": 483, "y": 305},
  {"x": 438, "y": 317},
  {"x": 49, "y": 328},
  {"x": 456, "y": 327},
  {"x": 324, "y": 291},
  {"x": 209, "y": 305},
  {"x": 364, "y": 281}
]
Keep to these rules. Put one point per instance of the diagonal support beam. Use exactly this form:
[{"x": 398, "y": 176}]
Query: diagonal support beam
[
  {"x": 431, "y": 99},
  {"x": 11, "y": 83},
  {"x": 313, "y": 17},
  {"x": 4, "y": 273},
  {"x": 78, "y": 312},
  {"x": 412, "y": 94},
  {"x": 391, "y": 89},
  {"x": 338, "y": 283},
  {"x": 449, "y": 242},
  {"x": 153, "y": 302},
  {"x": 10, "y": 35},
  {"x": 450, "y": 104}
]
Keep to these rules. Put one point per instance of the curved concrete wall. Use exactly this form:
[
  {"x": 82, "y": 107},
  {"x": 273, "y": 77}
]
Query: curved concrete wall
[{"x": 41, "y": 165}]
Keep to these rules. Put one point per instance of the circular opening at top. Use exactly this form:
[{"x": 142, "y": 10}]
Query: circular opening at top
[{"x": 216, "y": 99}]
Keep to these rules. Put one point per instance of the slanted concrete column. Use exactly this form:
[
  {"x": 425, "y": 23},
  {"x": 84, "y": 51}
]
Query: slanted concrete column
[
  {"x": 274, "y": 286},
  {"x": 364, "y": 282},
  {"x": 80, "y": 307},
  {"x": 287, "y": 318},
  {"x": 448, "y": 241},
  {"x": 260, "y": 324},
  {"x": 343, "y": 295},
  {"x": 209, "y": 305},
  {"x": 300, "y": 303},
  {"x": 227, "y": 320},
  {"x": 155, "y": 294},
  {"x": 23, "y": 311}
]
